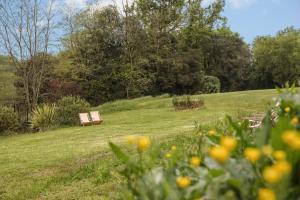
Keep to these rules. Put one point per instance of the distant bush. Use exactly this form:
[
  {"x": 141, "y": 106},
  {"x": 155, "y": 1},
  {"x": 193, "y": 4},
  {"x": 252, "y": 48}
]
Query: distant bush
[
  {"x": 44, "y": 117},
  {"x": 187, "y": 102},
  {"x": 68, "y": 108},
  {"x": 8, "y": 119},
  {"x": 211, "y": 85}
]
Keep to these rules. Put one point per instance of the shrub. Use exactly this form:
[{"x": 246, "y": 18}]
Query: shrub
[
  {"x": 242, "y": 163},
  {"x": 187, "y": 102},
  {"x": 211, "y": 84},
  {"x": 68, "y": 109},
  {"x": 9, "y": 120},
  {"x": 44, "y": 117}
]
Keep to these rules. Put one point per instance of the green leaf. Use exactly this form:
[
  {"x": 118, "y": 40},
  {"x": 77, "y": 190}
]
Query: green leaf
[
  {"x": 262, "y": 136},
  {"x": 118, "y": 152},
  {"x": 216, "y": 172},
  {"x": 235, "y": 183},
  {"x": 282, "y": 125}
]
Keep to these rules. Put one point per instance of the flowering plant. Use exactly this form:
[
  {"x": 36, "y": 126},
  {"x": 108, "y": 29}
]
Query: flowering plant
[{"x": 242, "y": 163}]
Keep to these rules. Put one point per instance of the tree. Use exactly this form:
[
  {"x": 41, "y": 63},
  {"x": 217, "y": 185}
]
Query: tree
[
  {"x": 277, "y": 59},
  {"x": 228, "y": 58},
  {"x": 7, "y": 77},
  {"x": 97, "y": 55},
  {"x": 224, "y": 53},
  {"x": 200, "y": 23},
  {"x": 26, "y": 28}
]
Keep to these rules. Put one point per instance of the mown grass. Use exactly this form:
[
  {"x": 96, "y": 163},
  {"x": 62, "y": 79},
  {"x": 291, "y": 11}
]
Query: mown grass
[{"x": 76, "y": 163}]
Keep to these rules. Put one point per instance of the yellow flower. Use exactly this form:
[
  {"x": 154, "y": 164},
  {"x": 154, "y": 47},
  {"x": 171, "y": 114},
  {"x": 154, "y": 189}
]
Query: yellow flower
[
  {"x": 296, "y": 143},
  {"x": 131, "y": 139},
  {"x": 183, "y": 181},
  {"x": 289, "y": 136},
  {"x": 266, "y": 194},
  {"x": 283, "y": 167},
  {"x": 143, "y": 143},
  {"x": 279, "y": 155},
  {"x": 287, "y": 109},
  {"x": 267, "y": 150},
  {"x": 292, "y": 139},
  {"x": 252, "y": 154},
  {"x": 271, "y": 174},
  {"x": 228, "y": 142},
  {"x": 212, "y": 133},
  {"x": 168, "y": 155},
  {"x": 173, "y": 148},
  {"x": 295, "y": 121},
  {"x": 219, "y": 153},
  {"x": 195, "y": 161}
]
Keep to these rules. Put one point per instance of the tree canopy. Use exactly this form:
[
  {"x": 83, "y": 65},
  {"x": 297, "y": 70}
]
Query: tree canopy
[{"x": 152, "y": 47}]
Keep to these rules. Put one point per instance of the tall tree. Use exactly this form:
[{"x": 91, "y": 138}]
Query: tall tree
[
  {"x": 25, "y": 31},
  {"x": 277, "y": 59},
  {"x": 228, "y": 57},
  {"x": 97, "y": 55},
  {"x": 200, "y": 22},
  {"x": 136, "y": 80}
]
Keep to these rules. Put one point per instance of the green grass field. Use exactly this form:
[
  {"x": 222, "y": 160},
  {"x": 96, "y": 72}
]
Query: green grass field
[{"x": 75, "y": 162}]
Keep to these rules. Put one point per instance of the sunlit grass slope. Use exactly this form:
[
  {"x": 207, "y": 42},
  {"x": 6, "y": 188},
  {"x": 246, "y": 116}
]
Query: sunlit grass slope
[{"x": 75, "y": 162}]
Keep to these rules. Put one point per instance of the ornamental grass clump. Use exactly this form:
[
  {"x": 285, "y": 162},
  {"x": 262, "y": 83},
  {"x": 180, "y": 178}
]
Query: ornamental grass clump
[
  {"x": 237, "y": 163},
  {"x": 44, "y": 117},
  {"x": 187, "y": 102}
]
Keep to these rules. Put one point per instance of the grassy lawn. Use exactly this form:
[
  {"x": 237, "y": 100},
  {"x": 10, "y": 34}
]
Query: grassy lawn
[{"x": 75, "y": 163}]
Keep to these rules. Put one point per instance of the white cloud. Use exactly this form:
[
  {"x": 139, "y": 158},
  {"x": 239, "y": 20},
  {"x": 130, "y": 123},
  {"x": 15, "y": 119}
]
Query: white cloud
[
  {"x": 76, "y": 4},
  {"x": 119, "y": 3}
]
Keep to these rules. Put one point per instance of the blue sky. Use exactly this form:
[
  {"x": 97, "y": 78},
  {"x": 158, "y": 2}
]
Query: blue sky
[{"x": 261, "y": 17}]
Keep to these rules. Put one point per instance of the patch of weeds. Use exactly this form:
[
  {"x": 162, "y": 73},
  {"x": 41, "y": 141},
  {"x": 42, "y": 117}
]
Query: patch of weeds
[
  {"x": 103, "y": 176},
  {"x": 187, "y": 102}
]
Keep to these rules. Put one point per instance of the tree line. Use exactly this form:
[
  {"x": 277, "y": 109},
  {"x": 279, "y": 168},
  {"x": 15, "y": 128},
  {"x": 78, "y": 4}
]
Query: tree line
[{"x": 150, "y": 47}]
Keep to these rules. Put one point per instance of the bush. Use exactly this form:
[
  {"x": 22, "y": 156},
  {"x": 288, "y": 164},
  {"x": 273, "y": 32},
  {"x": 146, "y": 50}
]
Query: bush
[
  {"x": 68, "y": 109},
  {"x": 187, "y": 102},
  {"x": 236, "y": 163},
  {"x": 9, "y": 120},
  {"x": 211, "y": 84},
  {"x": 44, "y": 117}
]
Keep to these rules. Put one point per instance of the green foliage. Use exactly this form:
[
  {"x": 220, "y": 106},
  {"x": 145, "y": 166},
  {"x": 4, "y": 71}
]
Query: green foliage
[
  {"x": 228, "y": 57},
  {"x": 211, "y": 84},
  {"x": 44, "y": 117},
  {"x": 7, "y": 78},
  {"x": 9, "y": 120},
  {"x": 276, "y": 59},
  {"x": 240, "y": 163},
  {"x": 187, "y": 102},
  {"x": 182, "y": 42},
  {"x": 68, "y": 109},
  {"x": 111, "y": 63}
]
